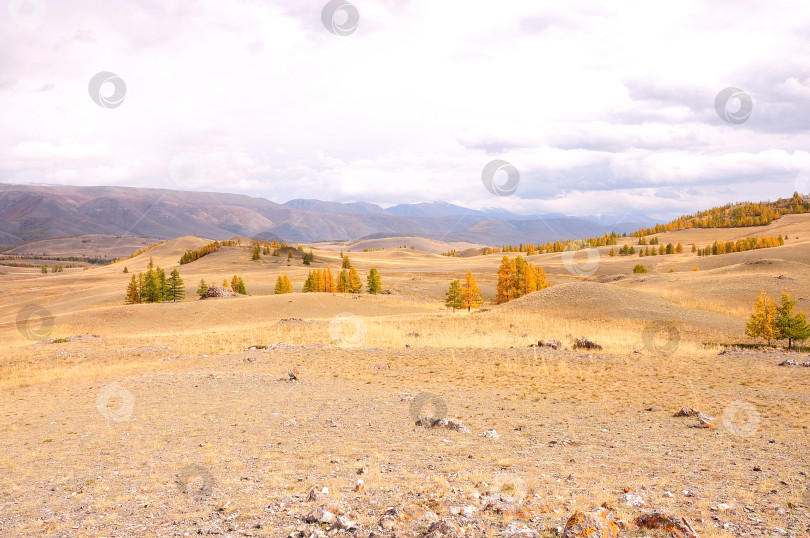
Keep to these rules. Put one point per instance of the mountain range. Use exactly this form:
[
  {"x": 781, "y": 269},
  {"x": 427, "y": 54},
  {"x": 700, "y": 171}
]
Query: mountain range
[{"x": 32, "y": 212}]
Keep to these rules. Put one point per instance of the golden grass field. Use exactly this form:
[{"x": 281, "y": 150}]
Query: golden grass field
[{"x": 100, "y": 431}]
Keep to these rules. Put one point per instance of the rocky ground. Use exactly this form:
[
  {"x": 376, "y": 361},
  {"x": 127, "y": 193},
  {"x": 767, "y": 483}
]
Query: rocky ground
[{"x": 316, "y": 440}]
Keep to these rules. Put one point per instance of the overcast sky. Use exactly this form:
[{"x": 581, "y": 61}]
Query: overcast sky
[{"x": 600, "y": 106}]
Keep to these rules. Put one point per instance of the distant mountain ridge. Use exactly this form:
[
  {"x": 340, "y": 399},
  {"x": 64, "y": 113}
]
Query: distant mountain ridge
[{"x": 31, "y": 212}]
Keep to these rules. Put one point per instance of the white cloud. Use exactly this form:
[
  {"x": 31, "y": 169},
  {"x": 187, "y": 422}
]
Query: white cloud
[{"x": 597, "y": 105}]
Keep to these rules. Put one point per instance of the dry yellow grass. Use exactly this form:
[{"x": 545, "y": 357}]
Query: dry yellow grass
[{"x": 96, "y": 430}]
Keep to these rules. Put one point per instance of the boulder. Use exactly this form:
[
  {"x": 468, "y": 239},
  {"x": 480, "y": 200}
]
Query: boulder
[
  {"x": 321, "y": 515},
  {"x": 218, "y": 292},
  {"x": 598, "y": 523},
  {"x": 675, "y": 526}
]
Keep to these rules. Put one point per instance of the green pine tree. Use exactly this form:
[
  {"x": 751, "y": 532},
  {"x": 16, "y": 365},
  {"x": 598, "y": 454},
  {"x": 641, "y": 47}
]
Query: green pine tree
[
  {"x": 453, "y": 298},
  {"x": 790, "y": 326},
  {"x": 174, "y": 287},
  {"x": 374, "y": 281},
  {"x": 202, "y": 289}
]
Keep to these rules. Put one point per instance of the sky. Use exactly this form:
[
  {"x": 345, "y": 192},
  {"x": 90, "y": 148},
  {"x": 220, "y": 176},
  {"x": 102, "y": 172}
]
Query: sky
[{"x": 598, "y": 109}]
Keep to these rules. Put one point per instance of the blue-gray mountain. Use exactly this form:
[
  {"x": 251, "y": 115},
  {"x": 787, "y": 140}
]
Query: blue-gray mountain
[{"x": 31, "y": 212}]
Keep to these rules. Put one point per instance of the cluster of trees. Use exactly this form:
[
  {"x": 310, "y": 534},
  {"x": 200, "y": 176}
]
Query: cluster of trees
[
  {"x": 741, "y": 245},
  {"x": 517, "y": 277},
  {"x": 236, "y": 284},
  {"x": 283, "y": 285},
  {"x": 265, "y": 249},
  {"x": 54, "y": 268},
  {"x": 639, "y": 268},
  {"x": 466, "y": 295},
  {"x": 734, "y": 215},
  {"x": 348, "y": 280},
  {"x": 777, "y": 322},
  {"x": 154, "y": 287},
  {"x": 321, "y": 280},
  {"x": 194, "y": 255}
]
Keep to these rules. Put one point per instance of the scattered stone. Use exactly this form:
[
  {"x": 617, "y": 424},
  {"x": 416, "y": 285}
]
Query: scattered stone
[
  {"x": 441, "y": 529},
  {"x": 519, "y": 530},
  {"x": 553, "y": 344},
  {"x": 598, "y": 523},
  {"x": 292, "y": 422},
  {"x": 321, "y": 515},
  {"x": 306, "y": 532},
  {"x": 409, "y": 512},
  {"x": 467, "y": 511},
  {"x": 668, "y": 494},
  {"x": 633, "y": 499},
  {"x": 584, "y": 343},
  {"x": 359, "y": 485},
  {"x": 490, "y": 434},
  {"x": 677, "y": 527},
  {"x": 687, "y": 412},
  {"x": 788, "y": 362},
  {"x": 705, "y": 421},
  {"x": 343, "y": 523},
  {"x": 449, "y": 423}
]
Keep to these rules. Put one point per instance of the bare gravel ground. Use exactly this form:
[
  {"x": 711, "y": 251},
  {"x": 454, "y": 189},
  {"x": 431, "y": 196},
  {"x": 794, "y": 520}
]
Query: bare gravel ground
[{"x": 227, "y": 445}]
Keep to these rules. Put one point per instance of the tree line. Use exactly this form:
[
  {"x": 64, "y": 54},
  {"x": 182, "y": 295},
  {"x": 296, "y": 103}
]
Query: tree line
[
  {"x": 735, "y": 215},
  {"x": 740, "y": 245},
  {"x": 194, "y": 255}
]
